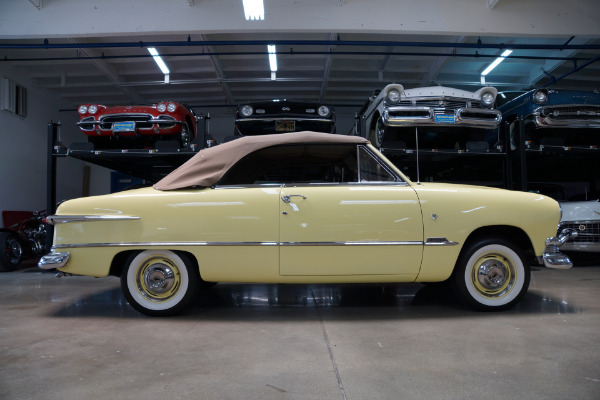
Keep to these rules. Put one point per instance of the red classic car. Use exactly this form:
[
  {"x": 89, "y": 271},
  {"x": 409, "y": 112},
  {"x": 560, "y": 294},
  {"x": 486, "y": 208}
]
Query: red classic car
[{"x": 137, "y": 126}]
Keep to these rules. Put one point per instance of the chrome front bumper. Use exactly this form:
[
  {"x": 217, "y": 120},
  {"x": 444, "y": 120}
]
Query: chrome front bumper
[
  {"x": 398, "y": 116},
  {"x": 571, "y": 115},
  {"x": 552, "y": 257},
  {"x": 54, "y": 260}
]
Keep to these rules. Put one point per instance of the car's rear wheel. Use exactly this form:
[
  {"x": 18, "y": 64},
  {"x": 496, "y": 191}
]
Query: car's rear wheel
[
  {"x": 11, "y": 252},
  {"x": 159, "y": 282},
  {"x": 491, "y": 275}
]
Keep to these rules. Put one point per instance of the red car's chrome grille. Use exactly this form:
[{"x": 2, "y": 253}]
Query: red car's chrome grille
[
  {"x": 87, "y": 127},
  {"x": 141, "y": 120},
  {"x": 166, "y": 118}
]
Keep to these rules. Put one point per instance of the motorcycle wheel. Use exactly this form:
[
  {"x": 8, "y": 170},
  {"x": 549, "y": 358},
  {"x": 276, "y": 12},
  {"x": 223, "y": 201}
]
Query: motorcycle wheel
[{"x": 11, "y": 252}]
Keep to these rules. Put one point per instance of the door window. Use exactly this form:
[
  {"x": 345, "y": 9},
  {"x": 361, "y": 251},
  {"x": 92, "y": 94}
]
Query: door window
[{"x": 309, "y": 164}]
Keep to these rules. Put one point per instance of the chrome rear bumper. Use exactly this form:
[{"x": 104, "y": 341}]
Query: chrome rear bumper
[{"x": 54, "y": 260}]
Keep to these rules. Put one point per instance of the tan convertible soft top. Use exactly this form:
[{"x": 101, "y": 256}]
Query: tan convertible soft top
[{"x": 208, "y": 166}]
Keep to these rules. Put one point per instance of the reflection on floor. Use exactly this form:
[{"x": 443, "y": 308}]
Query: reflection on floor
[{"x": 61, "y": 338}]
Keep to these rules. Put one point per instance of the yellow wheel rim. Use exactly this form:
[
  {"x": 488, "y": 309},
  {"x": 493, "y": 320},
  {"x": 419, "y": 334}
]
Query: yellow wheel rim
[
  {"x": 158, "y": 279},
  {"x": 493, "y": 275}
]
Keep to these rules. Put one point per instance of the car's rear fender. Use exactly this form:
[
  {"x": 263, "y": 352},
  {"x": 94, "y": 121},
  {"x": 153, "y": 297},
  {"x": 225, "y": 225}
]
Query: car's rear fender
[{"x": 118, "y": 262}]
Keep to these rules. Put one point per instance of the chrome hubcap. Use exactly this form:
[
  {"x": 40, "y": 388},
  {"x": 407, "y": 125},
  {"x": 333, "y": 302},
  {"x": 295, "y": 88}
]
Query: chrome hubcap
[
  {"x": 492, "y": 274},
  {"x": 159, "y": 278}
]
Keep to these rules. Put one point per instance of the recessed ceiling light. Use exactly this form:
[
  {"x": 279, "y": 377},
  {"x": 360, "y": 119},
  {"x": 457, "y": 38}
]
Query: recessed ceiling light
[
  {"x": 495, "y": 63},
  {"x": 254, "y": 9},
  {"x": 159, "y": 61},
  {"x": 272, "y": 57}
]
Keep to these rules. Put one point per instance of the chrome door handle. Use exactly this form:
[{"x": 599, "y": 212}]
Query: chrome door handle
[{"x": 286, "y": 198}]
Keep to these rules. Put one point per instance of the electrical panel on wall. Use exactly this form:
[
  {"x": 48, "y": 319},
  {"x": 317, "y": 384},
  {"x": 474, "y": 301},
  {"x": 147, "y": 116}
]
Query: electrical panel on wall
[{"x": 13, "y": 97}]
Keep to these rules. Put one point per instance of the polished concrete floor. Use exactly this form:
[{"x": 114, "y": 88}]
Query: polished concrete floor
[{"x": 76, "y": 338}]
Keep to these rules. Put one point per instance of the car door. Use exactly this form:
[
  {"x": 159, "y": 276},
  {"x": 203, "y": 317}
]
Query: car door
[{"x": 372, "y": 226}]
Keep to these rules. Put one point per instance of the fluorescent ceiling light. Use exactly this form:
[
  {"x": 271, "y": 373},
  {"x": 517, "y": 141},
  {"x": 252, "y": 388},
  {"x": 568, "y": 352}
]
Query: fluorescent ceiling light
[
  {"x": 272, "y": 57},
  {"x": 159, "y": 61},
  {"x": 254, "y": 9},
  {"x": 496, "y": 62}
]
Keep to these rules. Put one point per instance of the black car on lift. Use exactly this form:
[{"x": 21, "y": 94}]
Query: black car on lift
[{"x": 282, "y": 116}]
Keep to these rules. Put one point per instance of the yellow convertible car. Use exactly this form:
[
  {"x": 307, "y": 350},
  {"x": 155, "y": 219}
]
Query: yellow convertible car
[{"x": 305, "y": 207}]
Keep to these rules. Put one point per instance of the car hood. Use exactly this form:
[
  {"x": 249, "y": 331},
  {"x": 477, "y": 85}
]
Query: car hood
[{"x": 471, "y": 194}]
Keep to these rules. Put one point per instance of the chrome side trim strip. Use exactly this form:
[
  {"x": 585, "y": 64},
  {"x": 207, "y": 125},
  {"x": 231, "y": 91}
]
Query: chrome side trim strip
[
  {"x": 166, "y": 244},
  {"x": 63, "y": 219},
  {"x": 434, "y": 241},
  {"x": 439, "y": 241},
  {"x": 358, "y": 243},
  {"x": 178, "y": 244}
]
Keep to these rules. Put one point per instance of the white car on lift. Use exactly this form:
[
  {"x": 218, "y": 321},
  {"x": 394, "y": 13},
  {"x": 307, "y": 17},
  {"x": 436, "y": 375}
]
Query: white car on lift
[
  {"x": 394, "y": 106},
  {"x": 582, "y": 217}
]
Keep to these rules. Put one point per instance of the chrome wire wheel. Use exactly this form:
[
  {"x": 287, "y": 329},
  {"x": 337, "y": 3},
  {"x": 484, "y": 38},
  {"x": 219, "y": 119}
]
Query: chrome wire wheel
[
  {"x": 491, "y": 274},
  {"x": 159, "y": 282},
  {"x": 185, "y": 136}
]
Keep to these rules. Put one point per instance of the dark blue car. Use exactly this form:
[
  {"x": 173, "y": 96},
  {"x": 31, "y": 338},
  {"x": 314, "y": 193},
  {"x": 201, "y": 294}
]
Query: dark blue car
[
  {"x": 560, "y": 135},
  {"x": 557, "y": 118}
]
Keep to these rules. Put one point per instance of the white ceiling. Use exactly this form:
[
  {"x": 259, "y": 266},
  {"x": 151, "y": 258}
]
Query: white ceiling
[{"x": 340, "y": 67}]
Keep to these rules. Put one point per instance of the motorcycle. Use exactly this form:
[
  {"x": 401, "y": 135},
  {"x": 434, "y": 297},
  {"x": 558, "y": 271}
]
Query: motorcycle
[{"x": 23, "y": 240}]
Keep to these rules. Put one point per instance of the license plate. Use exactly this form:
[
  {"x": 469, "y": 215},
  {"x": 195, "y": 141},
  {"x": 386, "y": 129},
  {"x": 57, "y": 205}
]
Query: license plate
[
  {"x": 124, "y": 126},
  {"x": 285, "y": 126},
  {"x": 444, "y": 119}
]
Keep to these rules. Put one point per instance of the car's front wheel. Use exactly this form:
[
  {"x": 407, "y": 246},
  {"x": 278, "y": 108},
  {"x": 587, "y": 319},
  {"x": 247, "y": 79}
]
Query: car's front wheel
[
  {"x": 377, "y": 132},
  {"x": 186, "y": 136},
  {"x": 159, "y": 282},
  {"x": 491, "y": 275}
]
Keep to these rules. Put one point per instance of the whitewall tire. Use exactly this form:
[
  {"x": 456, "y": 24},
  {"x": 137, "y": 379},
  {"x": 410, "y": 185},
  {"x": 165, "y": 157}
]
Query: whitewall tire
[
  {"x": 159, "y": 282},
  {"x": 377, "y": 132},
  {"x": 491, "y": 275}
]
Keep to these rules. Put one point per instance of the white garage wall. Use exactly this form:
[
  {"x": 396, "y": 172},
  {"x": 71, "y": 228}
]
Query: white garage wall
[{"x": 23, "y": 152}]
